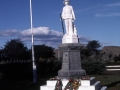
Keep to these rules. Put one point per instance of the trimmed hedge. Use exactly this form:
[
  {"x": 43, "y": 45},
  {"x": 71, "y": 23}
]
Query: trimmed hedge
[
  {"x": 16, "y": 71},
  {"x": 113, "y": 63},
  {"x": 19, "y": 71},
  {"x": 93, "y": 66}
]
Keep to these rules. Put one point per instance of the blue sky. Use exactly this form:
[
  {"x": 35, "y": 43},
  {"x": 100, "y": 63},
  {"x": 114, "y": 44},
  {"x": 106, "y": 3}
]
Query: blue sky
[{"x": 95, "y": 20}]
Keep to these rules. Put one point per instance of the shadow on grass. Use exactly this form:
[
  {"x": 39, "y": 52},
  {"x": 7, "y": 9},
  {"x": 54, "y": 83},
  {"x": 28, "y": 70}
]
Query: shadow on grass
[
  {"x": 114, "y": 84},
  {"x": 18, "y": 76},
  {"x": 21, "y": 85}
]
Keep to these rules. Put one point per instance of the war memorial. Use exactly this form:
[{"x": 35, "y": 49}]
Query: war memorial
[{"x": 71, "y": 76}]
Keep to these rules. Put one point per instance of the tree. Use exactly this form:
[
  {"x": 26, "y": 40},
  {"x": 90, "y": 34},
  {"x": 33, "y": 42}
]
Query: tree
[
  {"x": 85, "y": 52},
  {"x": 43, "y": 51},
  {"x": 93, "y": 46},
  {"x": 0, "y": 55},
  {"x": 91, "y": 49},
  {"x": 15, "y": 50}
]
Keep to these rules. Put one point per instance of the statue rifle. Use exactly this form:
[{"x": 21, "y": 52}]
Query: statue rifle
[{"x": 62, "y": 23}]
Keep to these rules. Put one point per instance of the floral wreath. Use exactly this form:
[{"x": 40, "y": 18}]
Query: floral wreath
[{"x": 73, "y": 83}]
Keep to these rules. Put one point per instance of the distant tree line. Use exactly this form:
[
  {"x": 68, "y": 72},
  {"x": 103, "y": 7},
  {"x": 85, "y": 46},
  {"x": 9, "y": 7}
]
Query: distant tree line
[
  {"x": 15, "y": 49},
  {"x": 91, "y": 50}
]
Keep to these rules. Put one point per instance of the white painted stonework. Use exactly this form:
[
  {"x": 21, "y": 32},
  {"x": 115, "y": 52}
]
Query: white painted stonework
[
  {"x": 71, "y": 36},
  {"x": 68, "y": 16},
  {"x": 70, "y": 39},
  {"x": 91, "y": 84}
]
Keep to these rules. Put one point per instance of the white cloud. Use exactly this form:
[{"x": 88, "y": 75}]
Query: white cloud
[
  {"x": 8, "y": 32},
  {"x": 42, "y": 35},
  {"x": 40, "y": 31},
  {"x": 107, "y": 15},
  {"x": 113, "y": 4},
  {"x": 106, "y": 43},
  {"x": 84, "y": 39}
]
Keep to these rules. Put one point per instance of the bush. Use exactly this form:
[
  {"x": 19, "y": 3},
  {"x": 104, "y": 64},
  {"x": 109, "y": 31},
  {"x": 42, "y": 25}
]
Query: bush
[
  {"x": 48, "y": 68},
  {"x": 93, "y": 66},
  {"x": 1, "y": 75},
  {"x": 16, "y": 71},
  {"x": 113, "y": 63},
  {"x": 117, "y": 58}
]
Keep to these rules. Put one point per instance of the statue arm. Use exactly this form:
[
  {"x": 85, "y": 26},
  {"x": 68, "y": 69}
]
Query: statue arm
[
  {"x": 73, "y": 14},
  {"x": 62, "y": 15}
]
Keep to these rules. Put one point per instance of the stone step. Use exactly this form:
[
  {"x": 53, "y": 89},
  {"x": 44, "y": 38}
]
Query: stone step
[
  {"x": 91, "y": 84},
  {"x": 65, "y": 81},
  {"x": 45, "y": 87},
  {"x": 88, "y": 82},
  {"x": 104, "y": 88},
  {"x": 94, "y": 86},
  {"x": 97, "y": 85},
  {"x": 53, "y": 82}
]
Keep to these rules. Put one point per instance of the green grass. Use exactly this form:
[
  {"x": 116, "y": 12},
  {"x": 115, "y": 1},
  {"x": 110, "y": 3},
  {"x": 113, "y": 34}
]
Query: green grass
[
  {"x": 111, "y": 81},
  {"x": 19, "y": 77}
]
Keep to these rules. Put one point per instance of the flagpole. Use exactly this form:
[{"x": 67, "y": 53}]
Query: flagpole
[{"x": 33, "y": 58}]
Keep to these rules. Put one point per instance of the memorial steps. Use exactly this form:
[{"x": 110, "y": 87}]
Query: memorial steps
[{"x": 91, "y": 84}]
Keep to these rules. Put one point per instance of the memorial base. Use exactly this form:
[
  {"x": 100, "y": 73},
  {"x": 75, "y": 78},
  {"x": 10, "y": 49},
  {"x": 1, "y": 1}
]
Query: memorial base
[
  {"x": 71, "y": 61},
  {"x": 91, "y": 84},
  {"x": 71, "y": 73}
]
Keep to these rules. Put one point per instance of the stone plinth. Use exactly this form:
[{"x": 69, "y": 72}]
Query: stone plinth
[
  {"x": 91, "y": 84},
  {"x": 71, "y": 61},
  {"x": 70, "y": 39}
]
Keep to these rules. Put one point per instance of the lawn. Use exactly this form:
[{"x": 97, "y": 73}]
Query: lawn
[
  {"x": 111, "y": 81},
  {"x": 19, "y": 77}
]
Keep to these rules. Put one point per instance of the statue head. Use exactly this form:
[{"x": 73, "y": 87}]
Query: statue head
[{"x": 66, "y": 2}]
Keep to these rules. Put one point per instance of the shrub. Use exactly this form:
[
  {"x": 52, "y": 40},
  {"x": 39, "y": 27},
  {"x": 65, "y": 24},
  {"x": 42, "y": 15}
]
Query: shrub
[
  {"x": 93, "y": 66},
  {"x": 117, "y": 58},
  {"x": 49, "y": 67},
  {"x": 1, "y": 75}
]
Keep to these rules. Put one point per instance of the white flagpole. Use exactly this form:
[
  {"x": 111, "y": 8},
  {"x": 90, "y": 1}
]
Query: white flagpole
[{"x": 33, "y": 58}]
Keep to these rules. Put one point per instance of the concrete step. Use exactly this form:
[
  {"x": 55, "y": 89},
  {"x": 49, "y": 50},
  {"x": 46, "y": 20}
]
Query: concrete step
[
  {"x": 91, "y": 84},
  {"x": 45, "y": 87},
  {"x": 88, "y": 82},
  {"x": 92, "y": 80},
  {"x": 65, "y": 81},
  {"x": 94, "y": 86},
  {"x": 104, "y": 88},
  {"x": 53, "y": 82},
  {"x": 97, "y": 85}
]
